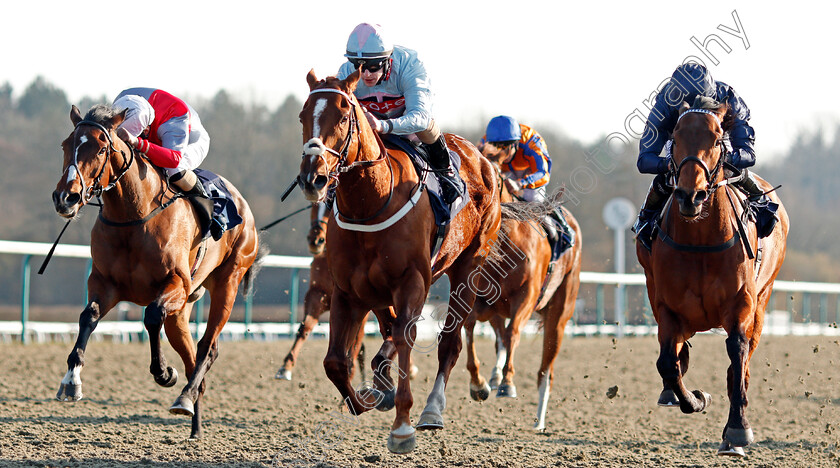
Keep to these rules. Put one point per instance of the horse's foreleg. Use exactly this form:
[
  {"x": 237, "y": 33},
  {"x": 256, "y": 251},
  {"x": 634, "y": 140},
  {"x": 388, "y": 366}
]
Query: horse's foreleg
[
  {"x": 408, "y": 304},
  {"x": 479, "y": 388},
  {"x": 738, "y": 431},
  {"x": 381, "y": 365},
  {"x": 668, "y": 366},
  {"x": 667, "y": 397},
  {"x": 511, "y": 341},
  {"x": 153, "y": 318},
  {"x": 314, "y": 304},
  {"x": 461, "y": 300},
  {"x": 70, "y": 388},
  {"x": 498, "y": 323},
  {"x": 178, "y": 332},
  {"x": 344, "y": 328}
]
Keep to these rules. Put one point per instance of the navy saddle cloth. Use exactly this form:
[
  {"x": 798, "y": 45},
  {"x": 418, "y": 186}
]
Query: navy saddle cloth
[
  {"x": 418, "y": 155},
  {"x": 224, "y": 209}
]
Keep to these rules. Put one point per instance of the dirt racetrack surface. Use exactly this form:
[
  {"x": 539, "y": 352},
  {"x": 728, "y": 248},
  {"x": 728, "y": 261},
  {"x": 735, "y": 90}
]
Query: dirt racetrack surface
[{"x": 253, "y": 420}]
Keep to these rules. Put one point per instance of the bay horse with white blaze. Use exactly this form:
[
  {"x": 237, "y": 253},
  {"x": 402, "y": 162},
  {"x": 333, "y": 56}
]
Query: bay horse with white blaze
[
  {"x": 147, "y": 248},
  {"x": 700, "y": 272},
  {"x": 379, "y": 246},
  {"x": 520, "y": 280}
]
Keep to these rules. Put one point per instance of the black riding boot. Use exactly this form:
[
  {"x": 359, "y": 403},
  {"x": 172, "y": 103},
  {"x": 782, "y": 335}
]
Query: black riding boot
[
  {"x": 567, "y": 234},
  {"x": 763, "y": 210},
  {"x": 656, "y": 197},
  {"x": 451, "y": 184},
  {"x": 202, "y": 203}
]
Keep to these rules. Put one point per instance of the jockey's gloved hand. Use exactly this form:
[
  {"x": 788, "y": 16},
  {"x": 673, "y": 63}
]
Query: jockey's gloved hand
[
  {"x": 127, "y": 137},
  {"x": 377, "y": 125},
  {"x": 512, "y": 185}
]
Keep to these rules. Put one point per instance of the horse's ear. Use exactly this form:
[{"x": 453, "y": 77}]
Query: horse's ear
[
  {"x": 351, "y": 81},
  {"x": 311, "y": 80},
  {"x": 727, "y": 117},
  {"x": 75, "y": 115},
  {"x": 684, "y": 107},
  {"x": 117, "y": 119}
]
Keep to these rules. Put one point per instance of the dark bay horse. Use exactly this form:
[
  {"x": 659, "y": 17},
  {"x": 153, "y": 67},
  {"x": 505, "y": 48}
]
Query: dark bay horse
[
  {"x": 379, "y": 247},
  {"x": 520, "y": 281},
  {"x": 149, "y": 252},
  {"x": 700, "y": 275}
]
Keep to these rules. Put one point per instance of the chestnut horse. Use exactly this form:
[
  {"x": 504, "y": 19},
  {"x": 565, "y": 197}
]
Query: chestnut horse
[
  {"x": 318, "y": 296},
  {"x": 317, "y": 299},
  {"x": 146, "y": 249},
  {"x": 700, "y": 274},
  {"x": 521, "y": 291},
  {"x": 379, "y": 247}
]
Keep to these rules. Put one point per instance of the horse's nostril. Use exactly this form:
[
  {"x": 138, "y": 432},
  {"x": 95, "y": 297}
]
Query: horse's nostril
[
  {"x": 73, "y": 198},
  {"x": 320, "y": 181}
]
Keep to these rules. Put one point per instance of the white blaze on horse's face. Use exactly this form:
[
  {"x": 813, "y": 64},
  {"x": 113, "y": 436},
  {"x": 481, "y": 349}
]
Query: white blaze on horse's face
[
  {"x": 320, "y": 105},
  {"x": 72, "y": 171}
]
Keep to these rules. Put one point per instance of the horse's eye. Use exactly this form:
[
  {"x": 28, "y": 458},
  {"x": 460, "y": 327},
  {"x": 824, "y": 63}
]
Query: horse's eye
[
  {"x": 102, "y": 150},
  {"x": 344, "y": 119}
]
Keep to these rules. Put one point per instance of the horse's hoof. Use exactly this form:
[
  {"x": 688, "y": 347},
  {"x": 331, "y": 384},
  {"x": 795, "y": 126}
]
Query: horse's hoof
[
  {"x": 69, "y": 392},
  {"x": 480, "y": 393},
  {"x": 539, "y": 427},
  {"x": 412, "y": 373},
  {"x": 495, "y": 380},
  {"x": 165, "y": 381},
  {"x": 283, "y": 374},
  {"x": 726, "y": 449},
  {"x": 668, "y": 398},
  {"x": 386, "y": 402},
  {"x": 705, "y": 399},
  {"x": 739, "y": 437},
  {"x": 402, "y": 443},
  {"x": 506, "y": 391},
  {"x": 183, "y": 405},
  {"x": 429, "y": 422}
]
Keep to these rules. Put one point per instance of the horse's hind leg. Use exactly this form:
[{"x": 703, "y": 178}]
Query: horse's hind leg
[
  {"x": 314, "y": 305},
  {"x": 479, "y": 388},
  {"x": 498, "y": 323},
  {"x": 383, "y": 361},
  {"x": 70, "y": 388},
  {"x": 178, "y": 332}
]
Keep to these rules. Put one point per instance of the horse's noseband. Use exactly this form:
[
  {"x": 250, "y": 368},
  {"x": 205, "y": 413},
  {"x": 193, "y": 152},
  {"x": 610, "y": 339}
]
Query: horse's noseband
[{"x": 711, "y": 186}]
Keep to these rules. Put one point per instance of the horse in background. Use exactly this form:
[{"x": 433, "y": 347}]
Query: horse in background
[
  {"x": 526, "y": 281},
  {"x": 701, "y": 272},
  {"x": 379, "y": 248},
  {"x": 148, "y": 248}
]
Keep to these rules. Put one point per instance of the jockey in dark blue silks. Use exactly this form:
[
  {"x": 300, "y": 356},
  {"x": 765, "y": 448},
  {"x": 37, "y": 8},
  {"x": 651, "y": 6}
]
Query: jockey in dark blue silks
[{"x": 687, "y": 82}]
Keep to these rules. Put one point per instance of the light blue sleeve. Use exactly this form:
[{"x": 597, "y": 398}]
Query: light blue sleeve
[{"x": 414, "y": 84}]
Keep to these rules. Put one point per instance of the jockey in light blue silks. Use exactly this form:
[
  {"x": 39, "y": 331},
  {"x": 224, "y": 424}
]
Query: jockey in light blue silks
[{"x": 396, "y": 94}]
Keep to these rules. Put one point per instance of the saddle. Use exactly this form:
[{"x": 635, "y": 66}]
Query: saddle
[
  {"x": 225, "y": 212},
  {"x": 419, "y": 156},
  {"x": 559, "y": 234}
]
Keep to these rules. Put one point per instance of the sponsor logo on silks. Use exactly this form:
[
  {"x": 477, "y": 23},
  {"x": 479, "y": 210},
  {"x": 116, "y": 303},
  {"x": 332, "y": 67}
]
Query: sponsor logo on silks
[{"x": 387, "y": 106}]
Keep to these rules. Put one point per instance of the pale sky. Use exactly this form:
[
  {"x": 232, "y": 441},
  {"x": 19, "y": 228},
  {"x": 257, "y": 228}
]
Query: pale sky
[{"x": 579, "y": 67}]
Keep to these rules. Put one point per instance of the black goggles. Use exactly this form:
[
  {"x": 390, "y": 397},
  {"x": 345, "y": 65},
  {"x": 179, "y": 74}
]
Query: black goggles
[{"x": 371, "y": 65}]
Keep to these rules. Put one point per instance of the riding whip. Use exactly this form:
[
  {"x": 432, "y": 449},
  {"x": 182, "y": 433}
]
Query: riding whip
[
  {"x": 289, "y": 190},
  {"x": 283, "y": 218}
]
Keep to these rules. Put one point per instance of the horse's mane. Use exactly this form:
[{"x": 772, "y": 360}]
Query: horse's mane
[{"x": 101, "y": 114}]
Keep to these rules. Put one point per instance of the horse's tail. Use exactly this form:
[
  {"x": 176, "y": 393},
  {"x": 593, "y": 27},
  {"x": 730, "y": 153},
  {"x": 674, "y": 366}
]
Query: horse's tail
[
  {"x": 532, "y": 211},
  {"x": 527, "y": 212},
  {"x": 251, "y": 275}
]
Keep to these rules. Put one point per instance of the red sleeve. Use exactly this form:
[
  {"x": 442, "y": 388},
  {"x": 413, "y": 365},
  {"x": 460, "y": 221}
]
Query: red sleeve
[{"x": 158, "y": 155}]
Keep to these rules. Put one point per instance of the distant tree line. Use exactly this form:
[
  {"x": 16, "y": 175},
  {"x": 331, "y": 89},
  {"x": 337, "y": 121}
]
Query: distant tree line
[{"x": 258, "y": 149}]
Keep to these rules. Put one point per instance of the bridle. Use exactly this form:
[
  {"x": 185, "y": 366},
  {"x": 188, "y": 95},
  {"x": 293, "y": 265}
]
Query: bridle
[
  {"x": 711, "y": 175},
  {"x": 341, "y": 155},
  {"x": 96, "y": 189}
]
